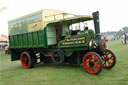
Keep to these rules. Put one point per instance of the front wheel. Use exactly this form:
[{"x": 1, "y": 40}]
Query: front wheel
[
  {"x": 109, "y": 59},
  {"x": 92, "y": 63}
]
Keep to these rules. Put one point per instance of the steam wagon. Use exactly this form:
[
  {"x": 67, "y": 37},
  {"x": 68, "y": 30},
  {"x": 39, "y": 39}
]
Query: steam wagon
[{"x": 50, "y": 36}]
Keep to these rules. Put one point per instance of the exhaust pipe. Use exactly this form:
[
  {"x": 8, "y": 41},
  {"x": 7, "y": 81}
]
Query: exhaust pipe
[{"x": 96, "y": 22}]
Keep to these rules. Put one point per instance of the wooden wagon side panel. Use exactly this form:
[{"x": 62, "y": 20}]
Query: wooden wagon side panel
[{"x": 35, "y": 39}]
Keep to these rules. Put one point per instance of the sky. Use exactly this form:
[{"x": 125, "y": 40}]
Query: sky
[{"x": 113, "y": 13}]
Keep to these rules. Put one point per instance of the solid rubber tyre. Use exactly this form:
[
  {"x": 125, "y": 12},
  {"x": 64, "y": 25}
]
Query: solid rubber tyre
[
  {"x": 92, "y": 63},
  {"x": 109, "y": 59},
  {"x": 26, "y": 60}
]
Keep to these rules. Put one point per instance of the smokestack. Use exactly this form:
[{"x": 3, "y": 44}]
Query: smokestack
[{"x": 96, "y": 22}]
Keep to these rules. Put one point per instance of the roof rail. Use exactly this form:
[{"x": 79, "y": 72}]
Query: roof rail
[{"x": 64, "y": 15}]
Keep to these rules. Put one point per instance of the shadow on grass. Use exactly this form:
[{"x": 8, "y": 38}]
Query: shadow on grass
[
  {"x": 70, "y": 67},
  {"x": 51, "y": 65}
]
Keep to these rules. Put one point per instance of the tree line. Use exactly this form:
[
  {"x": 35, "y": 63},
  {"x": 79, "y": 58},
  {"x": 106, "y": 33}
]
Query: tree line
[{"x": 117, "y": 33}]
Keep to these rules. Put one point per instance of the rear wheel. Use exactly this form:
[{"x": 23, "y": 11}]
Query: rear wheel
[
  {"x": 92, "y": 63},
  {"x": 26, "y": 60},
  {"x": 109, "y": 59}
]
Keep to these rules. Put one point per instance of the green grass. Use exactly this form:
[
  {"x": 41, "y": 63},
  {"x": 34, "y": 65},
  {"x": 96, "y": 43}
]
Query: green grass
[{"x": 12, "y": 73}]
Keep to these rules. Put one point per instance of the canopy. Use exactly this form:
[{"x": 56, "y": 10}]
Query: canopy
[
  {"x": 3, "y": 37},
  {"x": 71, "y": 20}
]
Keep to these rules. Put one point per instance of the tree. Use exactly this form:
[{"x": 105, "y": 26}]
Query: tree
[
  {"x": 119, "y": 32},
  {"x": 125, "y": 29}
]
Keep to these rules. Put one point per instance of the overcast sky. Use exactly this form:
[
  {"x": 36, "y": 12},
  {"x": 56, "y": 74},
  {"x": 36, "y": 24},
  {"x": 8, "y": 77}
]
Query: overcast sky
[{"x": 113, "y": 13}]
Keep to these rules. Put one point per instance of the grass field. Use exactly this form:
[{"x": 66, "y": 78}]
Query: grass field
[{"x": 12, "y": 73}]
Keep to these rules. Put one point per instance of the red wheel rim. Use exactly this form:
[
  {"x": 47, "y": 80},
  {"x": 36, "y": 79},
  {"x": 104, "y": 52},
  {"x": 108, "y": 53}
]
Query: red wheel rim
[
  {"x": 25, "y": 60},
  {"x": 108, "y": 60},
  {"x": 91, "y": 63}
]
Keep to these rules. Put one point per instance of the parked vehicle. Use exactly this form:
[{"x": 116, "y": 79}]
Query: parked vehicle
[{"x": 48, "y": 36}]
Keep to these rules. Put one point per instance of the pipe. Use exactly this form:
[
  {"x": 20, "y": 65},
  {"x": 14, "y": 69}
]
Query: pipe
[{"x": 96, "y": 22}]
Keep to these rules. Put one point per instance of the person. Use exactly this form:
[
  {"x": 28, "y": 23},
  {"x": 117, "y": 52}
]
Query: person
[
  {"x": 85, "y": 28},
  {"x": 125, "y": 39},
  {"x": 122, "y": 38},
  {"x": 6, "y": 49},
  {"x": 1, "y": 47},
  {"x": 83, "y": 31}
]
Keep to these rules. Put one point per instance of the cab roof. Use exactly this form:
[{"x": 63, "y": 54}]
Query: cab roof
[{"x": 71, "y": 20}]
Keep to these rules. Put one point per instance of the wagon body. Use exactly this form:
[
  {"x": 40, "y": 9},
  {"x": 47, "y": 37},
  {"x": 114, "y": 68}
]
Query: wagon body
[
  {"x": 29, "y": 31},
  {"x": 48, "y": 36}
]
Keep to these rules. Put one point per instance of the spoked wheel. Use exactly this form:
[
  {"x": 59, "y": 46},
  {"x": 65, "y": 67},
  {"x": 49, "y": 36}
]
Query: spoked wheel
[
  {"x": 109, "y": 59},
  {"x": 92, "y": 63},
  {"x": 26, "y": 60}
]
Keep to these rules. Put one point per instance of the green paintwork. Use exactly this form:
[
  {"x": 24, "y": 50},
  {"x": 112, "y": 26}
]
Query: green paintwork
[
  {"x": 78, "y": 42},
  {"x": 73, "y": 41},
  {"x": 28, "y": 40}
]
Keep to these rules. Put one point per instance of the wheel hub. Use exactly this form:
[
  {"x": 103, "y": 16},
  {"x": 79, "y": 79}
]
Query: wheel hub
[
  {"x": 106, "y": 59},
  {"x": 91, "y": 63},
  {"x": 25, "y": 60}
]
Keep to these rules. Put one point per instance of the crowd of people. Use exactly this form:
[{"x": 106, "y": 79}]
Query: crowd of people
[{"x": 5, "y": 48}]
